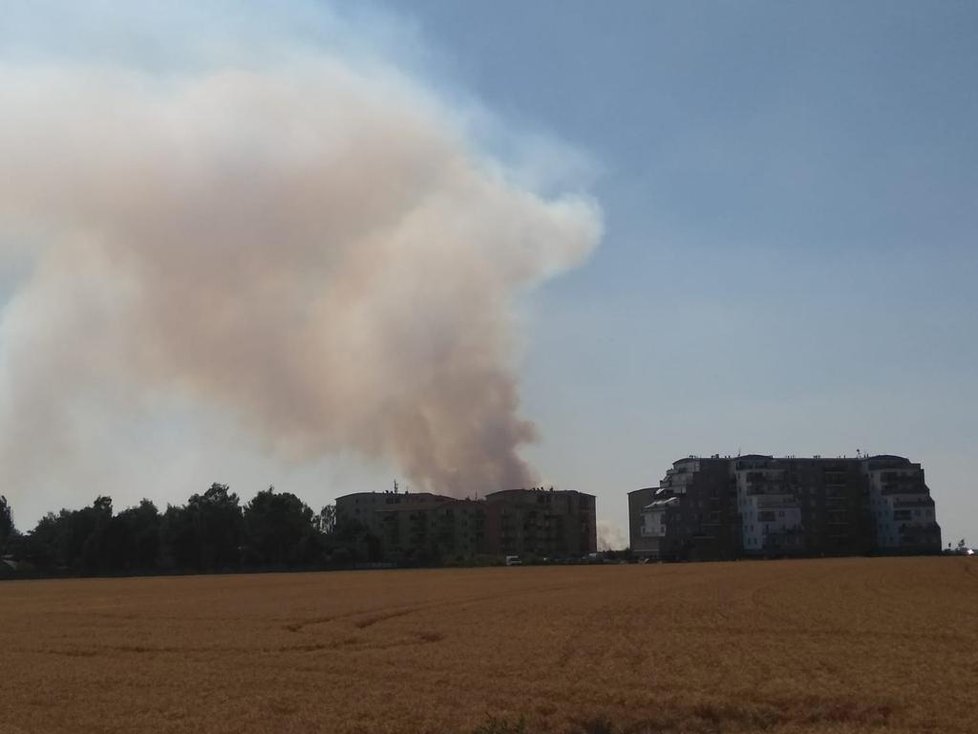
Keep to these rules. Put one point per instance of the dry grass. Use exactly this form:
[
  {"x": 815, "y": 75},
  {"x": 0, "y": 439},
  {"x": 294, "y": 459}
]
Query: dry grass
[{"x": 847, "y": 645}]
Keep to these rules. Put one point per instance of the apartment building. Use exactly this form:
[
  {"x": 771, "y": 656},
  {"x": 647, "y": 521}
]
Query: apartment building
[
  {"x": 689, "y": 515},
  {"x": 759, "y": 505},
  {"x": 426, "y": 527},
  {"x": 541, "y": 522},
  {"x": 367, "y": 508},
  {"x": 802, "y": 506},
  {"x": 432, "y": 530}
]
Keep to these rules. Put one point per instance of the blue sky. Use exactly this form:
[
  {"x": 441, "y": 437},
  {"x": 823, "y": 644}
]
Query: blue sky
[{"x": 791, "y": 206}]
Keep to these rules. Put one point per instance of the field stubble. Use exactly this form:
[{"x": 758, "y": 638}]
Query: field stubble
[{"x": 841, "y": 645}]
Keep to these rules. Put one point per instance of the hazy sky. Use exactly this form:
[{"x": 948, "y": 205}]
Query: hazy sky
[
  {"x": 791, "y": 251},
  {"x": 789, "y": 196}
]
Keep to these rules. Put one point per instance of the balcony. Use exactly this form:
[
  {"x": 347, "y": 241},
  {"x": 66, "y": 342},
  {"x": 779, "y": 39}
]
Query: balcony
[
  {"x": 652, "y": 532},
  {"x": 777, "y": 502},
  {"x": 916, "y": 503},
  {"x": 924, "y": 527},
  {"x": 891, "y": 489}
]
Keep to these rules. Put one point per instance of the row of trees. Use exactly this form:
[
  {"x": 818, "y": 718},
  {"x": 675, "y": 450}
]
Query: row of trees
[{"x": 213, "y": 531}]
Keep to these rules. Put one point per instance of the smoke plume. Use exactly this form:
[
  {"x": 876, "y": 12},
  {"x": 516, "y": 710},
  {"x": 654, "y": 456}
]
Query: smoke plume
[
  {"x": 610, "y": 536},
  {"x": 313, "y": 246}
]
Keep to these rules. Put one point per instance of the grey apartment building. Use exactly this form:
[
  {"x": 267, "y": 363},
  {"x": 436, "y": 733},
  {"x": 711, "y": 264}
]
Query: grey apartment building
[
  {"x": 421, "y": 526},
  {"x": 541, "y": 522},
  {"x": 756, "y": 505}
]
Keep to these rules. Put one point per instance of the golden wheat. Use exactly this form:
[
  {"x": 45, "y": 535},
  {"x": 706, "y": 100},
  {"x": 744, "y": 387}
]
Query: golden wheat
[{"x": 843, "y": 645}]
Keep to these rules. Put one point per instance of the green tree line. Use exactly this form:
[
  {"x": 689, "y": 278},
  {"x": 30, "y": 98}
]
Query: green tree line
[{"x": 212, "y": 532}]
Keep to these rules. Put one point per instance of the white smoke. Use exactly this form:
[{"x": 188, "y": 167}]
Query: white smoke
[
  {"x": 311, "y": 244},
  {"x": 610, "y": 536}
]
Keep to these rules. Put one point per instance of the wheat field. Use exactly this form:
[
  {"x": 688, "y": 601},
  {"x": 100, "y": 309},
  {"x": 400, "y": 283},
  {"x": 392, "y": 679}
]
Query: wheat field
[{"x": 840, "y": 645}]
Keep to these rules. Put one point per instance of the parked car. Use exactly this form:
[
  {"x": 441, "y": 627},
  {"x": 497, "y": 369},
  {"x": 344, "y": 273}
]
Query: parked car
[{"x": 960, "y": 550}]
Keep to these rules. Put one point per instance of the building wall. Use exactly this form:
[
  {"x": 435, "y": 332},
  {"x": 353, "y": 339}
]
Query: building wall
[
  {"x": 431, "y": 531},
  {"x": 698, "y": 524},
  {"x": 818, "y": 506},
  {"x": 770, "y": 514},
  {"x": 363, "y": 506},
  {"x": 640, "y": 543},
  {"x": 902, "y": 511},
  {"x": 655, "y": 527},
  {"x": 539, "y": 522},
  {"x": 372, "y": 510}
]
